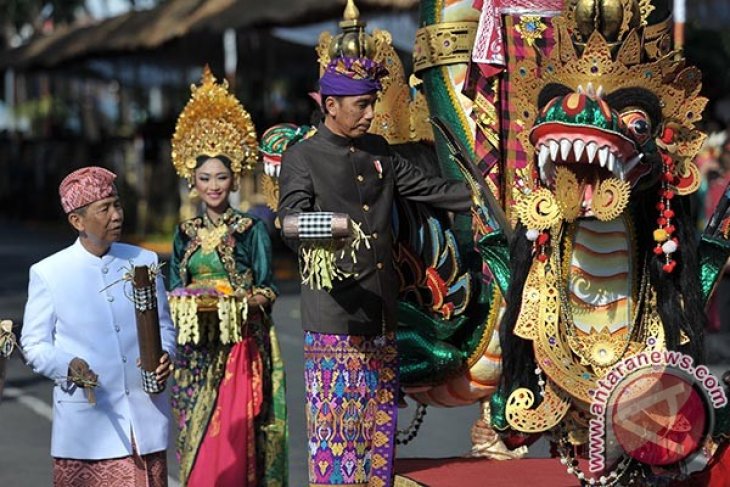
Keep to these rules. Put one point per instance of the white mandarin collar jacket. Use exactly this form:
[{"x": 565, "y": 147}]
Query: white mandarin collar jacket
[{"x": 70, "y": 314}]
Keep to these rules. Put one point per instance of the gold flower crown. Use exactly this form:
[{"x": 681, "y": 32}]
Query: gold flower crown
[{"x": 213, "y": 123}]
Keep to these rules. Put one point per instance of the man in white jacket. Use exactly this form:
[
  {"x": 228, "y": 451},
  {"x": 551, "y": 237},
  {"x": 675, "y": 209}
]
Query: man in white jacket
[{"x": 80, "y": 330}]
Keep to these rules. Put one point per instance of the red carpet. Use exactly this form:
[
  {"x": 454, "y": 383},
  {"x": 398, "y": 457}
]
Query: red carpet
[{"x": 474, "y": 472}]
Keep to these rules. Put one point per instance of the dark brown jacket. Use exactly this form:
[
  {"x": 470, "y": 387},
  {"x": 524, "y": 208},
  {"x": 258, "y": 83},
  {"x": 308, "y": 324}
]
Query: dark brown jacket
[{"x": 331, "y": 173}]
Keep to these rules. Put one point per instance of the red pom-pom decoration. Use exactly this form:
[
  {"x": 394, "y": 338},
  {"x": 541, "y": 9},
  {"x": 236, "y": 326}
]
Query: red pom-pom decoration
[{"x": 667, "y": 135}]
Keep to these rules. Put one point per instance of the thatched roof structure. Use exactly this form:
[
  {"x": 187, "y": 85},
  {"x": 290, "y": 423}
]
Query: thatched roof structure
[
  {"x": 130, "y": 31},
  {"x": 248, "y": 13},
  {"x": 149, "y": 29}
]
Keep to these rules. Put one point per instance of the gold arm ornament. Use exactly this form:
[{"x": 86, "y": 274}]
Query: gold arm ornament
[{"x": 443, "y": 44}]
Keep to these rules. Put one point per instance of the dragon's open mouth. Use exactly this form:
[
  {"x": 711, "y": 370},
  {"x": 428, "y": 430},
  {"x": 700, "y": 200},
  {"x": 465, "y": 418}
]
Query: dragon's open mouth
[{"x": 591, "y": 154}]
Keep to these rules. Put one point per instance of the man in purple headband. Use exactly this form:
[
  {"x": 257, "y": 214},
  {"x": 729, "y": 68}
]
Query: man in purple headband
[
  {"x": 348, "y": 89},
  {"x": 350, "y": 328}
]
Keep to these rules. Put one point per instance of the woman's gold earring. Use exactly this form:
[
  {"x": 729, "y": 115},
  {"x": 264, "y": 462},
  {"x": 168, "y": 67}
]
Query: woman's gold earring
[{"x": 193, "y": 194}]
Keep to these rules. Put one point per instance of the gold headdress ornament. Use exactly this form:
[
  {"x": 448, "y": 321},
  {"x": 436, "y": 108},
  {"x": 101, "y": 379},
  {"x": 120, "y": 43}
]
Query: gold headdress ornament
[
  {"x": 213, "y": 123},
  {"x": 390, "y": 120}
]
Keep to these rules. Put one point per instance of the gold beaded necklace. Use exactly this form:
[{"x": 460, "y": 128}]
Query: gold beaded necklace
[{"x": 211, "y": 234}]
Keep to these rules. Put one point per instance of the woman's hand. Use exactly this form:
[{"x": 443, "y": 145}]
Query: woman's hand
[{"x": 257, "y": 301}]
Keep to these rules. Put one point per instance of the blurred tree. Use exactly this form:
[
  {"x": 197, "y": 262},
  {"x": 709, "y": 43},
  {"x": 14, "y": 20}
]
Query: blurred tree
[
  {"x": 709, "y": 50},
  {"x": 21, "y": 19}
]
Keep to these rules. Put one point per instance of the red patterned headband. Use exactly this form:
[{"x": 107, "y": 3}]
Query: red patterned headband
[{"x": 85, "y": 186}]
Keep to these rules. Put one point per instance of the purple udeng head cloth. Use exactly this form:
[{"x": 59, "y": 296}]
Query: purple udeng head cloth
[{"x": 347, "y": 76}]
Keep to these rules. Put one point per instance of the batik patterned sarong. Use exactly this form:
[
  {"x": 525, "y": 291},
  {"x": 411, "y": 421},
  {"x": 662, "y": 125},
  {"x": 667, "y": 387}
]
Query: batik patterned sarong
[
  {"x": 229, "y": 401},
  {"x": 132, "y": 471},
  {"x": 352, "y": 385}
]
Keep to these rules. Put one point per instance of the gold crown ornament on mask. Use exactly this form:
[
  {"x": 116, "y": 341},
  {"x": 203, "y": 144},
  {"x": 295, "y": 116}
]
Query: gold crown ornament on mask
[{"x": 213, "y": 124}]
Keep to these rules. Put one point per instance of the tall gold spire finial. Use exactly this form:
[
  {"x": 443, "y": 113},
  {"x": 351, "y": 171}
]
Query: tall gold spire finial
[
  {"x": 351, "y": 12},
  {"x": 208, "y": 78},
  {"x": 353, "y": 41}
]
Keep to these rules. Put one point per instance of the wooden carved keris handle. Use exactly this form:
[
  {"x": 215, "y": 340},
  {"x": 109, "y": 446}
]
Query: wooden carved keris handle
[{"x": 148, "y": 328}]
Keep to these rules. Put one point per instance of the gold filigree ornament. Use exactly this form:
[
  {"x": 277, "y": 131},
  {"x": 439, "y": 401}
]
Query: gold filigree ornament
[
  {"x": 390, "y": 119},
  {"x": 270, "y": 189},
  {"x": 443, "y": 44},
  {"x": 487, "y": 118},
  {"x": 653, "y": 329},
  {"x": 552, "y": 352},
  {"x": 213, "y": 124},
  {"x": 553, "y": 408},
  {"x": 530, "y": 28},
  {"x": 569, "y": 193},
  {"x": 610, "y": 199},
  {"x": 539, "y": 209},
  {"x": 602, "y": 350},
  {"x": 210, "y": 237},
  {"x": 537, "y": 301}
]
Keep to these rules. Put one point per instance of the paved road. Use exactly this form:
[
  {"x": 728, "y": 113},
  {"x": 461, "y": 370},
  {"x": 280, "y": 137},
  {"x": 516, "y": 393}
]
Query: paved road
[{"x": 25, "y": 412}]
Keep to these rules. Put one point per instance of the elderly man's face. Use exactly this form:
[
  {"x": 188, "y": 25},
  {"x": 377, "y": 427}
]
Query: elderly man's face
[
  {"x": 100, "y": 222},
  {"x": 350, "y": 116}
]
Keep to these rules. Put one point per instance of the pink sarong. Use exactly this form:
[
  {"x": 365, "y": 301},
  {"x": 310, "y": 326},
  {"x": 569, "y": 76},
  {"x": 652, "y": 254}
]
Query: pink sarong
[{"x": 228, "y": 451}]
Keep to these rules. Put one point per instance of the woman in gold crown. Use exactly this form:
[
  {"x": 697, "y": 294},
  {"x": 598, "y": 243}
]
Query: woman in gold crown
[{"x": 228, "y": 394}]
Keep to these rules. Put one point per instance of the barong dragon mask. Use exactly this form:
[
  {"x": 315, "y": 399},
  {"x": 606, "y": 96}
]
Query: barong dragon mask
[{"x": 607, "y": 118}]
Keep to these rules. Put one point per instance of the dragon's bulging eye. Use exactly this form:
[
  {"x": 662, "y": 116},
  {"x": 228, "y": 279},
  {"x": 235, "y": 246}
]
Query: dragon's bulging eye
[
  {"x": 641, "y": 127},
  {"x": 638, "y": 125}
]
